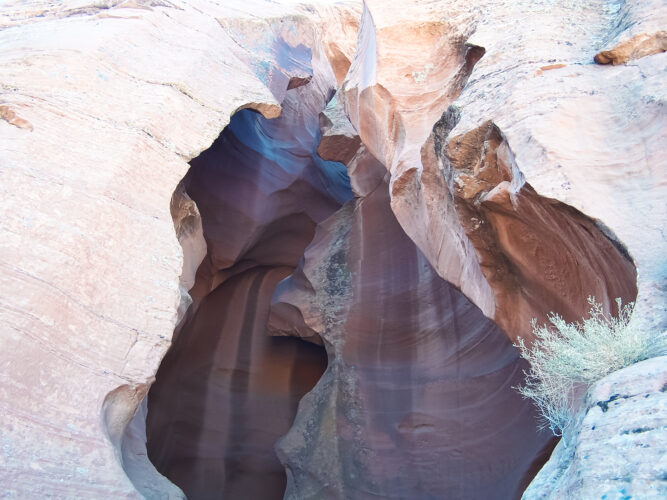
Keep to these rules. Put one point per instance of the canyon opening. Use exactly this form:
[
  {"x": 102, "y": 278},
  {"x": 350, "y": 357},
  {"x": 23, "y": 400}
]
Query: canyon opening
[{"x": 328, "y": 346}]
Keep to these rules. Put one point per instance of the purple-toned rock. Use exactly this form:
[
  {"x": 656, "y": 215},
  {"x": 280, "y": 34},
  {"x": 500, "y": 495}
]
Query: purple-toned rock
[{"x": 417, "y": 398}]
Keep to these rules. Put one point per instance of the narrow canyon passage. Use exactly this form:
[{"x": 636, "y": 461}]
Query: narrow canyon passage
[
  {"x": 333, "y": 250},
  {"x": 226, "y": 390}
]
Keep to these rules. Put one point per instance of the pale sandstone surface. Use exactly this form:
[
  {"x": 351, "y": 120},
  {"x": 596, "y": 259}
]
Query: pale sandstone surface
[
  {"x": 616, "y": 448},
  {"x": 102, "y": 106},
  {"x": 587, "y": 135},
  {"x": 590, "y": 136}
]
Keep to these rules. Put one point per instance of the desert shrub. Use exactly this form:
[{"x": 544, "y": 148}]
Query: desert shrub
[{"x": 567, "y": 358}]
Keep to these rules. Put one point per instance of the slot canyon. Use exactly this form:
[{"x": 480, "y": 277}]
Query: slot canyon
[
  {"x": 303, "y": 241},
  {"x": 311, "y": 291}
]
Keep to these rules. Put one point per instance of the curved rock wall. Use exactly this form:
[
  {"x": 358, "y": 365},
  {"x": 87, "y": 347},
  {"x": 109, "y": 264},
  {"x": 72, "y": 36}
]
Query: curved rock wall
[
  {"x": 102, "y": 106},
  {"x": 581, "y": 133},
  {"x": 417, "y": 400},
  {"x": 538, "y": 255},
  {"x": 226, "y": 391},
  {"x": 449, "y": 202},
  {"x": 543, "y": 182}
]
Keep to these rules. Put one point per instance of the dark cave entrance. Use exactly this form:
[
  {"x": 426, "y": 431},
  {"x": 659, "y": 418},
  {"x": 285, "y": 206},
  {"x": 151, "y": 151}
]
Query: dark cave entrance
[{"x": 227, "y": 390}]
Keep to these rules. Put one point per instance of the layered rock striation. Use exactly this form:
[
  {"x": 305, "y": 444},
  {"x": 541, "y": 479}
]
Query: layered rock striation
[
  {"x": 336, "y": 219},
  {"x": 226, "y": 391},
  {"x": 103, "y": 105},
  {"x": 417, "y": 399}
]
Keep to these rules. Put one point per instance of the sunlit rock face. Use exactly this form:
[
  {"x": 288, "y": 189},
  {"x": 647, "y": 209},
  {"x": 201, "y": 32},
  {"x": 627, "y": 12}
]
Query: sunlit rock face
[
  {"x": 461, "y": 189},
  {"x": 625, "y": 412},
  {"x": 103, "y": 105},
  {"x": 539, "y": 255}
]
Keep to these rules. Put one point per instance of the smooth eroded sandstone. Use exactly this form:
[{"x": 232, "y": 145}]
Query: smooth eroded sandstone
[
  {"x": 417, "y": 400},
  {"x": 227, "y": 390},
  {"x": 168, "y": 174}
]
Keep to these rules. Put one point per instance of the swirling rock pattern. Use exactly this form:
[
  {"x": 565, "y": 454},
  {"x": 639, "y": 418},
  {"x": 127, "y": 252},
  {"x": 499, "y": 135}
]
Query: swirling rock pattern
[
  {"x": 227, "y": 391},
  {"x": 417, "y": 400},
  {"x": 103, "y": 105},
  {"x": 505, "y": 159}
]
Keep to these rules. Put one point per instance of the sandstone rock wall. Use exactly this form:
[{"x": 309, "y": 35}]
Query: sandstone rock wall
[
  {"x": 417, "y": 399},
  {"x": 227, "y": 391},
  {"x": 103, "y": 104},
  {"x": 527, "y": 71},
  {"x": 505, "y": 160},
  {"x": 616, "y": 449}
]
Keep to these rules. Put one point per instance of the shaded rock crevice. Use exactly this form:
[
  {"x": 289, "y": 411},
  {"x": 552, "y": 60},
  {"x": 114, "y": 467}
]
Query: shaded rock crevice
[{"x": 227, "y": 390}]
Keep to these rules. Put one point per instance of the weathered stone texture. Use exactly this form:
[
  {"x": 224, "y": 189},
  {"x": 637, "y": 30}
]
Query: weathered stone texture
[
  {"x": 616, "y": 449},
  {"x": 506, "y": 159}
]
